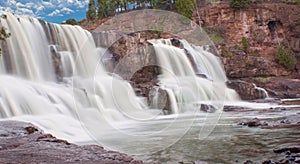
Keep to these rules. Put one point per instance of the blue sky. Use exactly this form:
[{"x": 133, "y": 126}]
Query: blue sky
[{"x": 50, "y": 10}]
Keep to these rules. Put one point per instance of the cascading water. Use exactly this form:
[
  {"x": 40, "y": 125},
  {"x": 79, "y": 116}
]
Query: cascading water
[
  {"x": 50, "y": 76},
  {"x": 179, "y": 78},
  {"x": 37, "y": 53}
]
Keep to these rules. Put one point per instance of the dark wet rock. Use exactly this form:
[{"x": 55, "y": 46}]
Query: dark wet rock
[
  {"x": 159, "y": 99},
  {"x": 253, "y": 123},
  {"x": 249, "y": 162},
  {"x": 292, "y": 149},
  {"x": 208, "y": 108},
  {"x": 291, "y": 155},
  {"x": 22, "y": 142},
  {"x": 247, "y": 91},
  {"x": 228, "y": 108}
]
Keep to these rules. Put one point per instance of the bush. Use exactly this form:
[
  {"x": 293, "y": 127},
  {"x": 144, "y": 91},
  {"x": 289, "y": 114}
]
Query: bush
[
  {"x": 239, "y": 4},
  {"x": 285, "y": 57},
  {"x": 245, "y": 44},
  {"x": 71, "y": 21}
]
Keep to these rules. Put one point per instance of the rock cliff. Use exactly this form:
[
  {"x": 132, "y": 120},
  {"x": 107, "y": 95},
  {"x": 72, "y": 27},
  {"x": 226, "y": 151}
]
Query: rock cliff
[{"x": 247, "y": 39}]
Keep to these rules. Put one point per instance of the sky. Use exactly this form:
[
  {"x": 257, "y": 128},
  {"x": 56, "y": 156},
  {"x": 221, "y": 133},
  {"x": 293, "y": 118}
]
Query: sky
[{"x": 56, "y": 11}]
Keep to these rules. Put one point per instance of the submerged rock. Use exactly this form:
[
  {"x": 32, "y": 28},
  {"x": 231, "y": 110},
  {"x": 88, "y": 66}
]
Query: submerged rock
[
  {"x": 253, "y": 123},
  {"x": 22, "y": 142}
]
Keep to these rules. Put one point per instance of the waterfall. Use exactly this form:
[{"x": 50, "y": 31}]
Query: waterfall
[
  {"x": 180, "y": 79},
  {"x": 51, "y": 75}
]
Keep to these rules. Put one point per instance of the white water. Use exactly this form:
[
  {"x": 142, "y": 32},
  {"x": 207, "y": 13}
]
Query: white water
[
  {"x": 87, "y": 95},
  {"x": 52, "y": 76},
  {"x": 180, "y": 80}
]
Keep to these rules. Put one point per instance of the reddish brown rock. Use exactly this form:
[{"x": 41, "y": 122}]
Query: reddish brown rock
[
  {"x": 247, "y": 91},
  {"x": 241, "y": 66},
  {"x": 22, "y": 142}
]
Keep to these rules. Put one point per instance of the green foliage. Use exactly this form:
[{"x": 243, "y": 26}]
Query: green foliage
[
  {"x": 215, "y": 34},
  {"x": 239, "y": 4},
  {"x": 162, "y": 4},
  {"x": 3, "y": 32},
  {"x": 263, "y": 79},
  {"x": 285, "y": 57},
  {"x": 296, "y": 2},
  {"x": 107, "y": 8},
  {"x": 245, "y": 44},
  {"x": 71, "y": 21},
  {"x": 91, "y": 13},
  {"x": 236, "y": 47},
  {"x": 225, "y": 53},
  {"x": 217, "y": 39},
  {"x": 185, "y": 7}
]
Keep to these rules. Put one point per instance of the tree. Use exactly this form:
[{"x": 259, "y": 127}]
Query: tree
[
  {"x": 91, "y": 13},
  {"x": 162, "y": 4},
  {"x": 285, "y": 57},
  {"x": 105, "y": 8},
  {"x": 71, "y": 21},
  {"x": 185, "y": 7},
  {"x": 3, "y": 32}
]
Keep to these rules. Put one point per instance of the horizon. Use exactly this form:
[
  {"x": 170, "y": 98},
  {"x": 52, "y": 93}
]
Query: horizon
[{"x": 54, "y": 11}]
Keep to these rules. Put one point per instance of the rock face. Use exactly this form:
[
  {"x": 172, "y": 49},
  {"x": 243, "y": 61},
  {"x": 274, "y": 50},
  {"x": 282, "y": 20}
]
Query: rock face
[
  {"x": 281, "y": 87},
  {"x": 250, "y": 66},
  {"x": 247, "y": 91},
  {"x": 264, "y": 26},
  {"x": 24, "y": 143}
]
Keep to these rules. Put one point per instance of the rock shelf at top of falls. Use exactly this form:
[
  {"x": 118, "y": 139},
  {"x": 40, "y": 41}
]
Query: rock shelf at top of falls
[{"x": 22, "y": 142}]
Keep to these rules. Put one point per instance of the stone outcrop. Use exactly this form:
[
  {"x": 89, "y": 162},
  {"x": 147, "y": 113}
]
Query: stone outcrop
[
  {"x": 247, "y": 91},
  {"x": 242, "y": 66},
  {"x": 264, "y": 25},
  {"x": 280, "y": 87},
  {"x": 22, "y": 142}
]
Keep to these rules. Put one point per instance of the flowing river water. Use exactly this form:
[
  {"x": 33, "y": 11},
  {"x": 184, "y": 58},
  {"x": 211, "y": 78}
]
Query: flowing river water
[{"x": 51, "y": 76}]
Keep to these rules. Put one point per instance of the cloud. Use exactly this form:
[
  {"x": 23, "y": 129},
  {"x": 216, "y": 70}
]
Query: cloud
[
  {"x": 43, "y": 8},
  {"x": 66, "y": 10},
  {"x": 55, "y": 13},
  {"x": 25, "y": 11},
  {"x": 47, "y": 4}
]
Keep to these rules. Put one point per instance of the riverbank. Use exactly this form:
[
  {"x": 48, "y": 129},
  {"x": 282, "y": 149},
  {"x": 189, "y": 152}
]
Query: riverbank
[{"x": 22, "y": 142}]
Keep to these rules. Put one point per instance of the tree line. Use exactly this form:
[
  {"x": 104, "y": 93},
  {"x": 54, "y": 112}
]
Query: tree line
[{"x": 99, "y": 9}]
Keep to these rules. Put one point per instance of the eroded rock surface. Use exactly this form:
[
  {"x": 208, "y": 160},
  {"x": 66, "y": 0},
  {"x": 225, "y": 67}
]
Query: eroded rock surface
[{"x": 22, "y": 142}]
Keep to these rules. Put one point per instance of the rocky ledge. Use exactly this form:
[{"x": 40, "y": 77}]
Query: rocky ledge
[{"x": 22, "y": 142}]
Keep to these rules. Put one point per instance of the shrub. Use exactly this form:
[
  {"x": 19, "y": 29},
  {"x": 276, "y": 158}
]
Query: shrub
[
  {"x": 71, "y": 21},
  {"x": 285, "y": 57},
  {"x": 239, "y": 4},
  {"x": 245, "y": 44}
]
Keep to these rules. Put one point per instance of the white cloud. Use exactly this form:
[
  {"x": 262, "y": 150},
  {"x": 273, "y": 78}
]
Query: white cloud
[
  {"x": 41, "y": 8},
  {"x": 18, "y": 4},
  {"x": 55, "y": 13},
  {"x": 25, "y": 11},
  {"x": 47, "y": 4},
  {"x": 30, "y": 5},
  {"x": 67, "y": 10}
]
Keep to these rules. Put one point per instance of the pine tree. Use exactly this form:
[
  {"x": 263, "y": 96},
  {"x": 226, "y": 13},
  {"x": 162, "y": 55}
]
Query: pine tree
[
  {"x": 185, "y": 7},
  {"x": 91, "y": 13}
]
